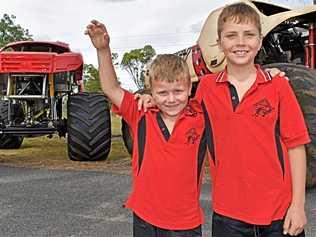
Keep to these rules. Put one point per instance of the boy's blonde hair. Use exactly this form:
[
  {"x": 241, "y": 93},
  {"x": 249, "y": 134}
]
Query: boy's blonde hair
[
  {"x": 168, "y": 67},
  {"x": 238, "y": 13}
]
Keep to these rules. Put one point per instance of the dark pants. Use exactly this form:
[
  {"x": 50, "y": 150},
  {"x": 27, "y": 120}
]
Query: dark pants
[
  {"x": 142, "y": 228},
  {"x": 223, "y": 226}
]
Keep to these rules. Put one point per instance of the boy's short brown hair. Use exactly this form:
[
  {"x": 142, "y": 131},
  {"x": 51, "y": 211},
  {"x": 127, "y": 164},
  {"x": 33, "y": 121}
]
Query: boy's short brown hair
[
  {"x": 168, "y": 67},
  {"x": 238, "y": 13}
]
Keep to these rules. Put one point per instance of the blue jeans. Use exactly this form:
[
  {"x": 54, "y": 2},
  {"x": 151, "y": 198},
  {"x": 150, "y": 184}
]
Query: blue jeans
[
  {"x": 142, "y": 228},
  {"x": 223, "y": 226}
]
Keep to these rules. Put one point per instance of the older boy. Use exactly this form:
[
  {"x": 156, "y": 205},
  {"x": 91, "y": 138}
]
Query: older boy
[
  {"x": 169, "y": 144},
  {"x": 259, "y": 162}
]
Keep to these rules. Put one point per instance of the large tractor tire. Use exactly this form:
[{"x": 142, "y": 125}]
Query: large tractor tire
[
  {"x": 303, "y": 82},
  {"x": 89, "y": 127},
  {"x": 8, "y": 141}
]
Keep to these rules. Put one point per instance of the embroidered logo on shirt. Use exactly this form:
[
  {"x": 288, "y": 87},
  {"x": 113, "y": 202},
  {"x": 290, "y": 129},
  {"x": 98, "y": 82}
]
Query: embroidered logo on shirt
[
  {"x": 192, "y": 136},
  {"x": 262, "y": 108}
]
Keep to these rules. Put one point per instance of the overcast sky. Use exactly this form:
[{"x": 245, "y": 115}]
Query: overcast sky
[{"x": 167, "y": 25}]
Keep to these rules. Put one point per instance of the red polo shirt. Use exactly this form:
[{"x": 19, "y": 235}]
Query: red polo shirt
[
  {"x": 166, "y": 168},
  {"x": 252, "y": 176}
]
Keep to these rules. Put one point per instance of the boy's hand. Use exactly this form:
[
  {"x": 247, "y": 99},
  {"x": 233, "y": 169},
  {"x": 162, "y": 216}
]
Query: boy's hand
[
  {"x": 276, "y": 72},
  {"x": 295, "y": 220},
  {"x": 98, "y": 35},
  {"x": 144, "y": 101}
]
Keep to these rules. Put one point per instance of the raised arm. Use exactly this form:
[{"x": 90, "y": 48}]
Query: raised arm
[{"x": 108, "y": 79}]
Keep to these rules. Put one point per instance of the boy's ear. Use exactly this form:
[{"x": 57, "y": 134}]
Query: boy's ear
[
  {"x": 261, "y": 39},
  {"x": 219, "y": 44},
  {"x": 190, "y": 89}
]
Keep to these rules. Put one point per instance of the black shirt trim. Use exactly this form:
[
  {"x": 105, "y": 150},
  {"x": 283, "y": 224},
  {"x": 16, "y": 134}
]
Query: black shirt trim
[
  {"x": 163, "y": 128},
  {"x": 141, "y": 138}
]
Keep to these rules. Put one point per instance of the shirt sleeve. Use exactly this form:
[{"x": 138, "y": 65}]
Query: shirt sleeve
[
  {"x": 128, "y": 109},
  {"x": 292, "y": 124}
]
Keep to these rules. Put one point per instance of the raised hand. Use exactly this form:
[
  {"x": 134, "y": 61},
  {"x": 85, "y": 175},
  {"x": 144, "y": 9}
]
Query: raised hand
[{"x": 98, "y": 35}]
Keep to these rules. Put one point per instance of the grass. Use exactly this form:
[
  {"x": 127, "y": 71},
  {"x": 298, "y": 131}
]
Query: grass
[
  {"x": 52, "y": 153},
  {"x": 115, "y": 125}
]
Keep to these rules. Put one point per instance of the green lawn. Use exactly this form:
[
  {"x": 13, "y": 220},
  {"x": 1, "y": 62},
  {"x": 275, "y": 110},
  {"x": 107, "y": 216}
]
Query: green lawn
[
  {"x": 52, "y": 153},
  {"x": 115, "y": 124}
]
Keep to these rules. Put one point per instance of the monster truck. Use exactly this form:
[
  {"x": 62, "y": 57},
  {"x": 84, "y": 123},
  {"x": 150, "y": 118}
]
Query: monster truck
[
  {"x": 41, "y": 93},
  {"x": 289, "y": 44}
]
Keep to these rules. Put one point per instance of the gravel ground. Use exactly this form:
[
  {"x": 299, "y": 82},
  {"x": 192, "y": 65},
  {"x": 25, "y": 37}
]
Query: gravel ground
[{"x": 41, "y": 202}]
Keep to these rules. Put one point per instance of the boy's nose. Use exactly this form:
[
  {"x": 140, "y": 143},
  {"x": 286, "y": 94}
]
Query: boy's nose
[
  {"x": 171, "y": 97},
  {"x": 241, "y": 39}
]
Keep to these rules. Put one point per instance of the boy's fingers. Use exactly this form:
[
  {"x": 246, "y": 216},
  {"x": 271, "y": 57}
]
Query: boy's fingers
[
  {"x": 139, "y": 102},
  {"x": 139, "y": 105},
  {"x": 286, "y": 225},
  {"x": 95, "y": 22},
  {"x": 293, "y": 229},
  {"x": 298, "y": 231},
  {"x": 282, "y": 74}
]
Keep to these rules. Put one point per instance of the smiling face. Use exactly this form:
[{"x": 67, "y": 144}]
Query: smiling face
[
  {"x": 240, "y": 42},
  {"x": 239, "y": 34},
  {"x": 170, "y": 97},
  {"x": 170, "y": 84}
]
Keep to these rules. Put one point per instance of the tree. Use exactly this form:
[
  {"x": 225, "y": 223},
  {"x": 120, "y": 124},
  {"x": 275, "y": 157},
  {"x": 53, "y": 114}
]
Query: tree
[
  {"x": 10, "y": 32},
  {"x": 91, "y": 75},
  {"x": 135, "y": 61},
  {"x": 91, "y": 78}
]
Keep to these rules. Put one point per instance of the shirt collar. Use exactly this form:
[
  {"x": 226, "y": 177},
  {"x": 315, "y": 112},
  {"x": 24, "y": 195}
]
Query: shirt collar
[{"x": 262, "y": 75}]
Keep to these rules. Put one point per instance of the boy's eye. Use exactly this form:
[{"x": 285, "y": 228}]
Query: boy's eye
[
  {"x": 162, "y": 93},
  {"x": 250, "y": 34},
  {"x": 230, "y": 36},
  {"x": 178, "y": 91}
]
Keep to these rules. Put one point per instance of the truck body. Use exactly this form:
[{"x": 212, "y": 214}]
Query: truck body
[{"x": 40, "y": 83}]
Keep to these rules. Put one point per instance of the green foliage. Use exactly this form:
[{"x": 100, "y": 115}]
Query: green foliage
[
  {"x": 91, "y": 76},
  {"x": 135, "y": 61},
  {"x": 10, "y": 31}
]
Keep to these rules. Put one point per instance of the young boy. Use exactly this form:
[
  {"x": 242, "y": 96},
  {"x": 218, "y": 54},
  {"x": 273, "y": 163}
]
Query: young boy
[
  {"x": 169, "y": 144},
  {"x": 259, "y": 160}
]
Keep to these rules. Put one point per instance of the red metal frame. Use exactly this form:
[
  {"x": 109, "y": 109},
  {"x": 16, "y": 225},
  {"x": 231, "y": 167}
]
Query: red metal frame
[
  {"x": 31, "y": 42},
  {"x": 199, "y": 64},
  {"x": 33, "y": 62},
  {"x": 310, "y": 48},
  {"x": 63, "y": 60}
]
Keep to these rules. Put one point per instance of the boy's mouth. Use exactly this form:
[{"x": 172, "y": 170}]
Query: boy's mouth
[
  {"x": 171, "y": 106},
  {"x": 240, "y": 52}
]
